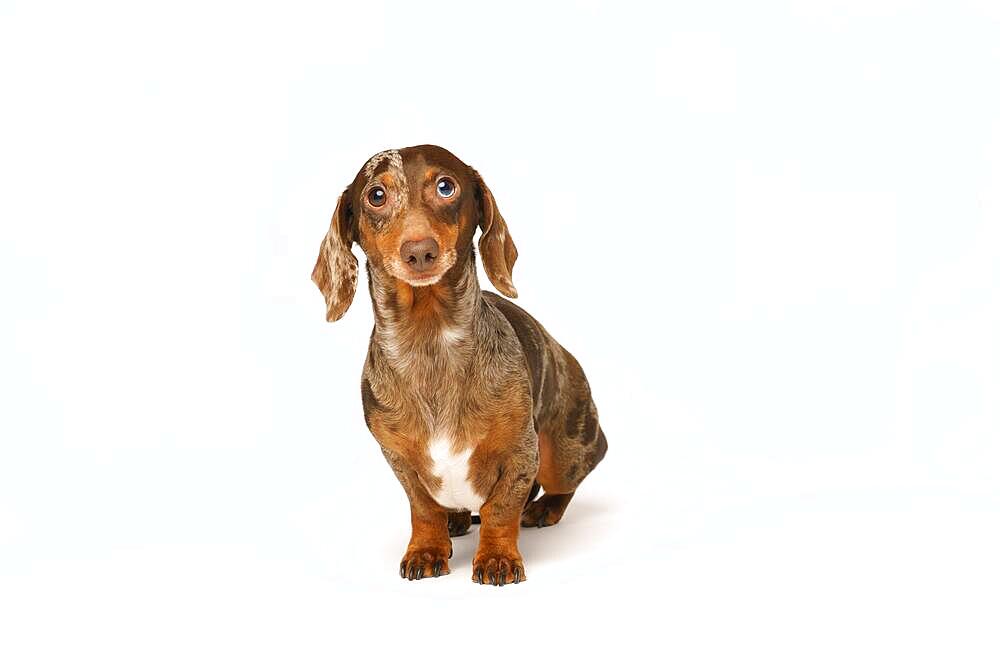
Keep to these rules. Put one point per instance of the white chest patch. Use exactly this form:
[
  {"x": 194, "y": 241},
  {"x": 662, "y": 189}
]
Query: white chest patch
[{"x": 452, "y": 468}]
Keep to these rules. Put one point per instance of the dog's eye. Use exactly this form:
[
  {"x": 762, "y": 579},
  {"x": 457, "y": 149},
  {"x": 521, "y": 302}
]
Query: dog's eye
[
  {"x": 446, "y": 187},
  {"x": 376, "y": 197}
]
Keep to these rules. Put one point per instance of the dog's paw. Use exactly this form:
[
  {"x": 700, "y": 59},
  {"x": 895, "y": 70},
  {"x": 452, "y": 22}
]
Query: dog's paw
[
  {"x": 497, "y": 566},
  {"x": 420, "y": 562},
  {"x": 459, "y": 523},
  {"x": 546, "y": 511}
]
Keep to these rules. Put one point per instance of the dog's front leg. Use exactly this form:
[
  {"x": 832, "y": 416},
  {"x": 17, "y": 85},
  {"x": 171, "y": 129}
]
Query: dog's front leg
[
  {"x": 498, "y": 560},
  {"x": 429, "y": 549}
]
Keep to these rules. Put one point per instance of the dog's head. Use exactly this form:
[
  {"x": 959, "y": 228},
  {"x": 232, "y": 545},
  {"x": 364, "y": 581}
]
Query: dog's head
[{"x": 414, "y": 212}]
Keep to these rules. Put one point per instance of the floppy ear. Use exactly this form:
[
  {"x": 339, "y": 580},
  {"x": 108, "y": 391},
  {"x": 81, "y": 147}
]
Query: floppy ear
[
  {"x": 336, "y": 270},
  {"x": 496, "y": 247}
]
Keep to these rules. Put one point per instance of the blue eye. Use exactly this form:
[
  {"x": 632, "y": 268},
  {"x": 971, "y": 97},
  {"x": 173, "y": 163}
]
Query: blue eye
[{"x": 446, "y": 187}]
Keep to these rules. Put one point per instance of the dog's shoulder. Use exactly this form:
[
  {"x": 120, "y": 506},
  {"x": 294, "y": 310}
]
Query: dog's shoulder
[
  {"x": 539, "y": 348},
  {"x": 521, "y": 321}
]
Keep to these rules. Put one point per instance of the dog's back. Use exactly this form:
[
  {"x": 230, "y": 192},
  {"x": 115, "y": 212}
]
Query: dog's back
[{"x": 570, "y": 440}]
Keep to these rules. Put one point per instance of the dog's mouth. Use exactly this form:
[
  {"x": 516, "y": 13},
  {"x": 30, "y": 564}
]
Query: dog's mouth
[
  {"x": 421, "y": 279},
  {"x": 415, "y": 278}
]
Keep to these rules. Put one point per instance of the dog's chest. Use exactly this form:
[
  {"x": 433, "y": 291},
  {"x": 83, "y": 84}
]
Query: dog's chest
[{"x": 450, "y": 465}]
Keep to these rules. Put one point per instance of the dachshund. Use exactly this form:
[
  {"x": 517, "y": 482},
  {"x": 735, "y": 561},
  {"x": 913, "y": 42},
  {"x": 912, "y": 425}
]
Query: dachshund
[{"x": 474, "y": 404}]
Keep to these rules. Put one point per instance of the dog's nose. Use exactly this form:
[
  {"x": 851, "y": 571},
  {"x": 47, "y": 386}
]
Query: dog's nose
[{"x": 419, "y": 255}]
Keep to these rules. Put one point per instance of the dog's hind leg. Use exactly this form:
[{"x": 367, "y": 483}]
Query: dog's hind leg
[{"x": 570, "y": 445}]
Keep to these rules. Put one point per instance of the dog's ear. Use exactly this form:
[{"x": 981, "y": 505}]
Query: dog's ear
[
  {"x": 336, "y": 270},
  {"x": 496, "y": 247}
]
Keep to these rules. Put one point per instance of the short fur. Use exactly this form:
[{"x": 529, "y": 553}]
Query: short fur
[{"x": 449, "y": 363}]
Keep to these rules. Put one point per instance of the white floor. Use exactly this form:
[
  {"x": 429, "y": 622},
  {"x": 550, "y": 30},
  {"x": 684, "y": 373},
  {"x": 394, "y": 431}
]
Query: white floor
[{"x": 287, "y": 554}]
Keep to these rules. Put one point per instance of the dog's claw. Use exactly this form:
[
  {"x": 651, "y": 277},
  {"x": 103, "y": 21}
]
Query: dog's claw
[
  {"x": 423, "y": 562},
  {"x": 498, "y": 569}
]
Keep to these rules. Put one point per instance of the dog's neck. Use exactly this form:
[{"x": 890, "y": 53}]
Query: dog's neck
[{"x": 423, "y": 331}]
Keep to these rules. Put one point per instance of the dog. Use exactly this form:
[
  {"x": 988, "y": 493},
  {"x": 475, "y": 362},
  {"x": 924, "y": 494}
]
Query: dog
[{"x": 474, "y": 404}]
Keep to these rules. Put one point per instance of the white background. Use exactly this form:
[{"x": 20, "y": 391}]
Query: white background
[{"x": 769, "y": 231}]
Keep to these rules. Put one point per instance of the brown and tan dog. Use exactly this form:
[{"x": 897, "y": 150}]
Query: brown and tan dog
[{"x": 473, "y": 403}]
